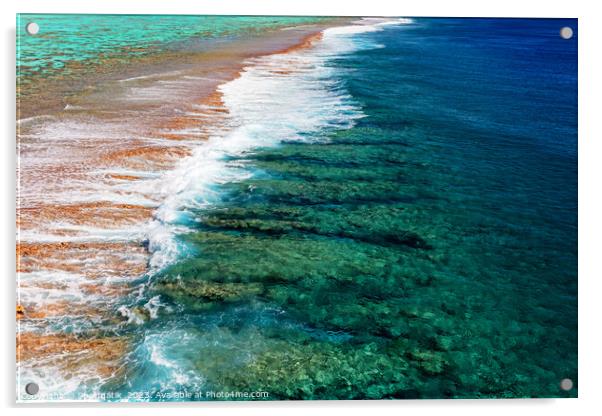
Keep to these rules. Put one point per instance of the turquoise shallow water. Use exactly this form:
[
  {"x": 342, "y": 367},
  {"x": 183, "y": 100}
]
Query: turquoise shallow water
[
  {"x": 429, "y": 251},
  {"x": 67, "y": 38}
]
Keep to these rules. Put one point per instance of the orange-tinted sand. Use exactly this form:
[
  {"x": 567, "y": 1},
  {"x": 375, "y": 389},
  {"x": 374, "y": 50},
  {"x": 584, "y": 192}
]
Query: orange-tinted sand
[
  {"x": 102, "y": 214},
  {"x": 71, "y": 353},
  {"x": 118, "y": 259}
]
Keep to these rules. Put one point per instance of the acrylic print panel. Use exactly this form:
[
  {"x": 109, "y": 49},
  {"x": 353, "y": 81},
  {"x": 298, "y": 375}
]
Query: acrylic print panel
[{"x": 275, "y": 208}]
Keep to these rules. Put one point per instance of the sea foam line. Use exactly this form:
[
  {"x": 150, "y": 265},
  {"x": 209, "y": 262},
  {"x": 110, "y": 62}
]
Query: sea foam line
[{"x": 293, "y": 96}]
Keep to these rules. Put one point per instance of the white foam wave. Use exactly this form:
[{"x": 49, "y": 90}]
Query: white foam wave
[{"x": 291, "y": 96}]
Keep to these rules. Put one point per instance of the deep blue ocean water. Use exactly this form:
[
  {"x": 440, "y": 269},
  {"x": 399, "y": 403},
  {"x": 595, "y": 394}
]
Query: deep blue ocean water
[{"x": 429, "y": 250}]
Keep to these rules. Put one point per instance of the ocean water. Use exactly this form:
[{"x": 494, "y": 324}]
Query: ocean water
[
  {"x": 394, "y": 218},
  {"x": 391, "y": 214}
]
